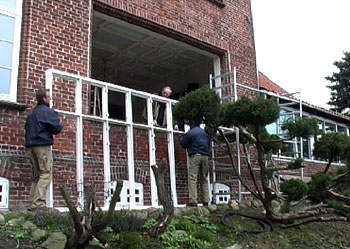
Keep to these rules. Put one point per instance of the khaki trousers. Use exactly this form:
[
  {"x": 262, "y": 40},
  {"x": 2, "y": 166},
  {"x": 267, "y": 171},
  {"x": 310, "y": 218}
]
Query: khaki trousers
[
  {"x": 198, "y": 165},
  {"x": 41, "y": 175}
]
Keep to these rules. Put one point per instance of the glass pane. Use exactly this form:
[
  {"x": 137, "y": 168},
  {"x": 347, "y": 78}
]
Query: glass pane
[
  {"x": 159, "y": 113},
  {"x": 7, "y": 25},
  {"x": 288, "y": 149},
  {"x": 5, "y": 80},
  {"x": 342, "y": 129},
  {"x": 329, "y": 127},
  {"x": 11, "y": 4},
  {"x": 116, "y": 105},
  {"x": 272, "y": 128},
  {"x": 284, "y": 117},
  {"x": 92, "y": 100},
  {"x": 139, "y": 110},
  {"x": 306, "y": 148},
  {"x": 320, "y": 126},
  {"x": 6, "y": 54}
]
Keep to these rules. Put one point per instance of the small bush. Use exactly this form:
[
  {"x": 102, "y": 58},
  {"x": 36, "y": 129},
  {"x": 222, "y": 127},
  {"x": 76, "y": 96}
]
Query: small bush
[
  {"x": 185, "y": 225},
  {"x": 53, "y": 220},
  {"x": 318, "y": 186},
  {"x": 296, "y": 164},
  {"x": 204, "y": 235},
  {"x": 151, "y": 223},
  {"x": 122, "y": 221},
  {"x": 336, "y": 205},
  {"x": 285, "y": 208},
  {"x": 294, "y": 189},
  {"x": 133, "y": 240},
  {"x": 342, "y": 170},
  {"x": 183, "y": 234}
]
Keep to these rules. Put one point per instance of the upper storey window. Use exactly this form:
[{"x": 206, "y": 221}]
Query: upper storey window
[
  {"x": 219, "y": 3},
  {"x": 10, "y": 30}
]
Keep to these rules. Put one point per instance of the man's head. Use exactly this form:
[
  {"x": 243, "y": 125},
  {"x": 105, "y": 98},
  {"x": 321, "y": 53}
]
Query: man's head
[
  {"x": 166, "y": 91},
  {"x": 195, "y": 122},
  {"x": 43, "y": 96}
]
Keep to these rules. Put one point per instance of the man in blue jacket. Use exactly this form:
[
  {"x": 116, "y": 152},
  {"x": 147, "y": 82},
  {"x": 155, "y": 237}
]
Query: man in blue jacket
[
  {"x": 40, "y": 127},
  {"x": 197, "y": 143}
]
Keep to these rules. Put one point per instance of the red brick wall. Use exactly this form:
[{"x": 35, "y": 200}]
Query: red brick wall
[{"x": 55, "y": 35}]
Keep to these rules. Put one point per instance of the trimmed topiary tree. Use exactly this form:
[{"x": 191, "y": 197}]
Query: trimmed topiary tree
[
  {"x": 331, "y": 147},
  {"x": 294, "y": 189},
  {"x": 250, "y": 116}
]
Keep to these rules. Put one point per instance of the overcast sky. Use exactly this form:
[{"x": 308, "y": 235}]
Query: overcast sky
[{"x": 297, "y": 42}]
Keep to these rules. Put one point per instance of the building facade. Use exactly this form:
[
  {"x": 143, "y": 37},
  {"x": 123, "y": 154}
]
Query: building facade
[{"x": 102, "y": 59}]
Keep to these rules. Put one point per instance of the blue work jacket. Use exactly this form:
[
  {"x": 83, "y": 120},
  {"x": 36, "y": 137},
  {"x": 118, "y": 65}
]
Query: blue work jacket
[
  {"x": 41, "y": 125},
  {"x": 196, "y": 141}
]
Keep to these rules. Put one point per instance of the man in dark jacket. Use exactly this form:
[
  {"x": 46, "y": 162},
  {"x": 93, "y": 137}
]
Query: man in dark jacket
[
  {"x": 40, "y": 127},
  {"x": 197, "y": 143}
]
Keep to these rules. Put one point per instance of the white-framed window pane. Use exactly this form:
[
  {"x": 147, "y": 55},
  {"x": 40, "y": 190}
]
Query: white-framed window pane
[
  {"x": 7, "y": 24},
  {"x": 6, "y": 54},
  {"x": 329, "y": 127},
  {"x": 272, "y": 128},
  {"x": 11, "y": 4},
  {"x": 10, "y": 33},
  {"x": 342, "y": 129},
  {"x": 5, "y": 80},
  {"x": 288, "y": 149}
]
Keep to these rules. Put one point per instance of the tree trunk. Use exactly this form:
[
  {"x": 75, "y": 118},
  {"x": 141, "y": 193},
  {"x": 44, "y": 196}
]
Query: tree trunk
[
  {"x": 267, "y": 197},
  {"x": 165, "y": 199},
  {"x": 84, "y": 227}
]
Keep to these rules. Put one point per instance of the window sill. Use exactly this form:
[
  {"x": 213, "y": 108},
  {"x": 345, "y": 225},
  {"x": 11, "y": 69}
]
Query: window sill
[
  {"x": 12, "y": 105},
  {"x": 218, "y": 3}
]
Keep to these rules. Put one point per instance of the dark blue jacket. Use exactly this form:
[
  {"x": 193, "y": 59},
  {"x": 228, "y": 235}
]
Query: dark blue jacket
[
  {"x": 196, "y": 141},
  {"x": 41, "y": 125}
]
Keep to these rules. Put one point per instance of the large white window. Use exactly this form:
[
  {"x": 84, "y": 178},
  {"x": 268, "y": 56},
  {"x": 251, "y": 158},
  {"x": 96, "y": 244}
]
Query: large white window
[{"x": 10, "y": 30}]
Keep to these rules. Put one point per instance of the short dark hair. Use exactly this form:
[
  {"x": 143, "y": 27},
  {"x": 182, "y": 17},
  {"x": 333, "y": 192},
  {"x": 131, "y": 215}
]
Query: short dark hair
[{"x": 40, "y": 94}]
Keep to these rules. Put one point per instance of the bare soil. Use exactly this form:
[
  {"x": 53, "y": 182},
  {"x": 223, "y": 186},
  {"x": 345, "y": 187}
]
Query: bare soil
[{"x": 8, "y": 241}]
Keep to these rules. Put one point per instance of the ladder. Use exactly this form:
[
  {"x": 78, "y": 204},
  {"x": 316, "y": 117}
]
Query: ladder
[{"x": 222, "y": 173}]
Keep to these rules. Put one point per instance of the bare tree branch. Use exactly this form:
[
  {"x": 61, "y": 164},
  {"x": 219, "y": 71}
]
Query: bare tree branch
[
  {"x": 316, "y": 219},
  {"x": 246, "y": 151},
  {"x": 84, "y": 227},
  {"x": 73, "y": 211},
  {"x": 339, "y": 197},
  {"x": 229, "y": 152}
]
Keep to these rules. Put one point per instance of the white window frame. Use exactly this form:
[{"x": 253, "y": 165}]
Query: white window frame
[
  {"x": 17, "y": 14},
  {"x": 4, "y": 193},
  {"x": 310, "y": 140}
]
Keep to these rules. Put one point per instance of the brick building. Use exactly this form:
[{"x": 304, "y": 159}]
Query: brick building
[{"x": 102, "y": 59}]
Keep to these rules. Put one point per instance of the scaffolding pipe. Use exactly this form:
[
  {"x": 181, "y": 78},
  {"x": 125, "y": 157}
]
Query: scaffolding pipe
[{"x": 237, "y": 138}]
